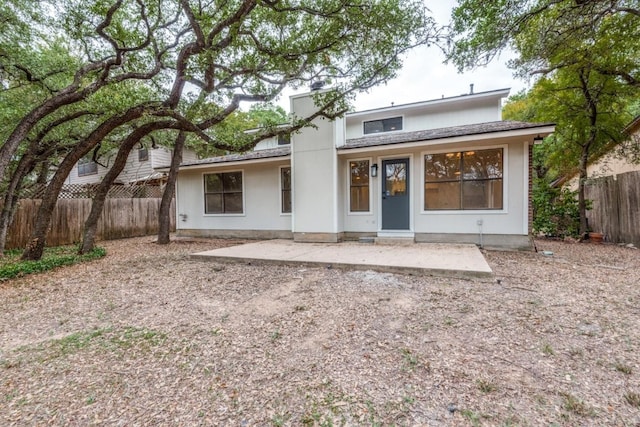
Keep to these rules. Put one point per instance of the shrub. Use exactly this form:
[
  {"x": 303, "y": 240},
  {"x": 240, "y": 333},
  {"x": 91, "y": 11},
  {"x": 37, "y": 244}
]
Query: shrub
[
  {"x": 555, "y": 210},
  {"x": 12, "y": 266}
]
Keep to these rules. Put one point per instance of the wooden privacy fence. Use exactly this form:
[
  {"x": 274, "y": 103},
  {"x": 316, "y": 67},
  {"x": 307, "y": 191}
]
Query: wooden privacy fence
[
  {"x": 615, "y": 207},
  {"x": 120, "y": 218}
]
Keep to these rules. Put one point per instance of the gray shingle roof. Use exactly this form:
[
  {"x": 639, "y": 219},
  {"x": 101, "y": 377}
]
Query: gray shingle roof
[
  {"x": 283, "y": 151},
  {"x": 431, "y": 134},
  {"x": 380, "y": 139}
]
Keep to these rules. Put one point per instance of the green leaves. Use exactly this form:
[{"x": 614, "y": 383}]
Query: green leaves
[{"x": 11, "y": 266}]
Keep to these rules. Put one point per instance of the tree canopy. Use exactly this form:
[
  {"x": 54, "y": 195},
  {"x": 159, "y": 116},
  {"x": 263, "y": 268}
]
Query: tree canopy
[
  {"x": 585, "y": 59},
  {"x": 97, "y": 73},
  {"x": 540, "y": 32}
]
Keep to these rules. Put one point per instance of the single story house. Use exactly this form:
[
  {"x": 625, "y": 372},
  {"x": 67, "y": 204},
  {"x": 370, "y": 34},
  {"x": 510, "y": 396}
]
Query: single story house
[{"x": 444, "y": 170}]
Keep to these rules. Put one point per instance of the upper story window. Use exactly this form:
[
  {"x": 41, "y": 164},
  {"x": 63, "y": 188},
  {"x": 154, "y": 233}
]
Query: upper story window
[
  {"x": 143, "y": 154},
  {"x": 86, "y": 166},
  {"x": 463, "y": 180},
  {"x": 383, "y": 125},
  {"x": 284, "y": 139}
]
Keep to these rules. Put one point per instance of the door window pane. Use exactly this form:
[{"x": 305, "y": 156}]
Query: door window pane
[{"x": 396, "y": 179}]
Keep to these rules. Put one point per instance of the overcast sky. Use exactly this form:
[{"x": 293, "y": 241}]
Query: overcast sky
[{"x": 424, "y": 76}]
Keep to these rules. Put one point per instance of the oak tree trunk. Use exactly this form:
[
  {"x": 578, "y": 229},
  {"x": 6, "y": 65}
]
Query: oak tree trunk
[
  {"x": 582, "y": 202},
  {"x": 91, "y": 224},
  {"x": 24, "y": 167},
  {"x": 164, "y": 226},
  {"x": 36, "y": 244}
]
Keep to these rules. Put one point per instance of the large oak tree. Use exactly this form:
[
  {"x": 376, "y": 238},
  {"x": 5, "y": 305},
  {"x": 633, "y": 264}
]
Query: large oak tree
[{"x": 198, "y": 62}]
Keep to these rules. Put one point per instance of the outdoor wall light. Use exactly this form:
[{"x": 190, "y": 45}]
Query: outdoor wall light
[
  {"x": 538, "y": 139},
  {"x": 374, "y": 170},
  {"x": 183, "y": 217}
]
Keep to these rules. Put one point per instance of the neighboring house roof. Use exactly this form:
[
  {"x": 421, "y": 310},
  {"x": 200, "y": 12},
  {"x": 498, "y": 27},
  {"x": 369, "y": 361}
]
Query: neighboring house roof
[
  {"x": 606, "y": 163},
  {"x": 431, "y": 134},
  {"x": 633, "y": 126},
  {"x": 283, "y": 151}
]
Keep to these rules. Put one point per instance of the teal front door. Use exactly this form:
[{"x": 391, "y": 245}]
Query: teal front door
[{"x": 395, "y": 194}]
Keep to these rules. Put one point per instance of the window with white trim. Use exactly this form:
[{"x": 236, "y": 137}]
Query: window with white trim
[
  {"x": 223, "y": 193},
  {"x": 359, "y": 186},
  {"x": 285, "y": 190},
  {"x": 383, "y": 125},
  {"x": 464, "y": 180}
]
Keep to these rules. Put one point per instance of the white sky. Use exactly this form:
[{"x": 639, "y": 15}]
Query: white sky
[{"x": 424, "y": 76}]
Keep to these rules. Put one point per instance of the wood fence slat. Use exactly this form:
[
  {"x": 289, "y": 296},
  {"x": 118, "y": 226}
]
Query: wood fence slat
[
  {"x": 615, "y": 207},
  {"x": 120, "y": 218}
]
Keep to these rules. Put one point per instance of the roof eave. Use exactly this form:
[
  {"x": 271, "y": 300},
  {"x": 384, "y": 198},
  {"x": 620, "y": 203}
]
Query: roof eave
[
  {"x": 543, "y": 131},
  {"x": 498, "y": 93},
  {"x": 211, "y": 165}
]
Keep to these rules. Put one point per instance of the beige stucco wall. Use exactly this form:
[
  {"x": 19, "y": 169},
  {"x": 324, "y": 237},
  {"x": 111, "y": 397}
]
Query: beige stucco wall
[{"x": 606, "y": 166}]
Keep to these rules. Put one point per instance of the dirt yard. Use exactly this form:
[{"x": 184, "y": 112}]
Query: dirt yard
[{"x": 147, "y": 336}]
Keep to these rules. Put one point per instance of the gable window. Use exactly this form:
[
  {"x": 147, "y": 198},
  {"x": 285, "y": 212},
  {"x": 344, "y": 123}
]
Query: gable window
[
  {"x": 359, "y": 186},
  {"x": 86, "y": 167},
  {"x": 223, "y": 193},
  {"x": 383, "y": 125},
  {"x": 285, "y": 190},
  {"x": 465, "y": 180},
  {"x": 143, "y": 154}
]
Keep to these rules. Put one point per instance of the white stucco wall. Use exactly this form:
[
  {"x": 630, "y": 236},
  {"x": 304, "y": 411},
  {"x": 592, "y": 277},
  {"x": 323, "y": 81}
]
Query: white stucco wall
[
  {"x": 261, "y": 192},
  {"x": 432, "y": 115},
  {"x": 314, "y": 163},
  {"x": 512, "y": 219}
]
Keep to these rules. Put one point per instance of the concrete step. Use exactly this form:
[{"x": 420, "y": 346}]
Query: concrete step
[{"x": 395, "y": 241}]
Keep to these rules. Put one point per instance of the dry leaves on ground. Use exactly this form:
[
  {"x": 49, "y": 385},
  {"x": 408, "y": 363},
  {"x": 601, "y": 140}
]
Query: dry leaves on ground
[{"x": 147, "y": 336}]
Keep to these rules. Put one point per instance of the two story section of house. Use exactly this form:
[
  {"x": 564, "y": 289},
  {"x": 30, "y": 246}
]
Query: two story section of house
[
  {"x": 140, "y": 167},
  {"x": 444, "y": 170}
]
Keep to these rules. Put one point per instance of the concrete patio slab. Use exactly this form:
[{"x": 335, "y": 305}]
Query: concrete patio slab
[{"x": 459, "y": 260}]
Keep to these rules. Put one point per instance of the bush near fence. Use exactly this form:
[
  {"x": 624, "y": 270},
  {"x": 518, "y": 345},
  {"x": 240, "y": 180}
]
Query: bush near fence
[
  {"x": 129, "y": 211},
  {"x": 615, "y": 208}
]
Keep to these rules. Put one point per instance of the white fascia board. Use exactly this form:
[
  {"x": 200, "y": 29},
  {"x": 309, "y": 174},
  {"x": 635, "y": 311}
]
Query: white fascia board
[
  {"x": 498, "y": 94},
  {"x": 227, "y": 164},
  {"x": 530, "y": 132}
]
